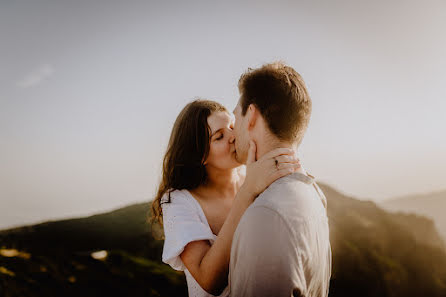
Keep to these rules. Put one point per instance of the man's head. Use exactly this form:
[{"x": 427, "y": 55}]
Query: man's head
[{"x": 273, "y": 95}]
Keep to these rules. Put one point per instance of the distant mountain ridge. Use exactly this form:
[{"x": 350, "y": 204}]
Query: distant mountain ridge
[
  {"x": 431, "y": 205},
  {"x": 375, "y": 253}
]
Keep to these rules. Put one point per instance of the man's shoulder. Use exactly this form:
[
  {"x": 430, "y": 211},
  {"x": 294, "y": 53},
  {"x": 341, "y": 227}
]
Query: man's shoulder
[
  {"x": 291, "y": 197},
  {"x": 282, "y": 191},
  {"x": 260, "y": 217}
]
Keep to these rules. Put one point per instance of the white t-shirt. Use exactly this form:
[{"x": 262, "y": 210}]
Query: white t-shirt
[
  {"x": 281, "y": 245},
  {"x": 184, "y": 221}
]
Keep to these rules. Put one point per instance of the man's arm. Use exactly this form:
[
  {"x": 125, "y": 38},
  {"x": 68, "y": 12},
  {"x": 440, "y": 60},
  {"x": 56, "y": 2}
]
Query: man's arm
[{"x": 264, "y": 260}]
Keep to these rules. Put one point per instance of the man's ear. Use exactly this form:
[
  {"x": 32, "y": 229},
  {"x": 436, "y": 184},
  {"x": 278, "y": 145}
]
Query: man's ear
[{"x": 252, "y": 114}]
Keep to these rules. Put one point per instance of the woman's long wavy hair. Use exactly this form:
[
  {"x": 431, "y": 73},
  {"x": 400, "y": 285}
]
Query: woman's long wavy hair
[{"x": 187, "y": 150}]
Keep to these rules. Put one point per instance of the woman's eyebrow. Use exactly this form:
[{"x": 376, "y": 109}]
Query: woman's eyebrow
[{"x": 216, "y": 132}]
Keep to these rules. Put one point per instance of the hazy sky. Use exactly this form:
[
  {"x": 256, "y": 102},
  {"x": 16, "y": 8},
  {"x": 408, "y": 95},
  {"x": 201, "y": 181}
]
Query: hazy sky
[{"x": 89, "y": 91}]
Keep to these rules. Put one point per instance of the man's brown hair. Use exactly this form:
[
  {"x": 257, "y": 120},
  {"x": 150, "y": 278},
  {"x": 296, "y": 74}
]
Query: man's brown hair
[{"x": 279, "y": 93}]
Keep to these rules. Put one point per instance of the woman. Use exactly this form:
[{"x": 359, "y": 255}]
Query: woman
[{"x": 204, "y": 193}]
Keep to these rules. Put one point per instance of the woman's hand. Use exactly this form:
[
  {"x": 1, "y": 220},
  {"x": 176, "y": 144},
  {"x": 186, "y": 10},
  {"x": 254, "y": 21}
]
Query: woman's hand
[{"x": 270, "y": 167}]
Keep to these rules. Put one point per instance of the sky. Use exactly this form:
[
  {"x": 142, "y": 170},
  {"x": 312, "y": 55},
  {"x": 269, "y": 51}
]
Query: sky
[{"x": 89, "y": 91}]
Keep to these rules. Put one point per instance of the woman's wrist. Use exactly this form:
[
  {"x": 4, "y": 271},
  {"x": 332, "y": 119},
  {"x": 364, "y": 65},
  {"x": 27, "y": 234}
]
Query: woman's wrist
[{"x": 246, "y": 193}]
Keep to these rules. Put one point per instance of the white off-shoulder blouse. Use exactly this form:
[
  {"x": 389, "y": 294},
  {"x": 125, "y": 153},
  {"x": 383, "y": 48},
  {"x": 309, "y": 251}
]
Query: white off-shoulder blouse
[{"x": 184, "y": 221}]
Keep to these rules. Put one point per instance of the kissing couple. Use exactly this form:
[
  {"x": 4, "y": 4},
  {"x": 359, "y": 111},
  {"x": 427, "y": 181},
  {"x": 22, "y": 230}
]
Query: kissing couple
[{"x": 240, "y": 214}]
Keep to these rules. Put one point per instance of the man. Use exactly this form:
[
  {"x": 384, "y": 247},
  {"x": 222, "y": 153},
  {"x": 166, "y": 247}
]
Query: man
[{"x": 281, "y": 246}]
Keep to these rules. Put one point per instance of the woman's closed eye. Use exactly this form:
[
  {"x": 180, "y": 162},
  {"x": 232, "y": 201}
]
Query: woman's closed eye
[{"x": 219, "y": 137}]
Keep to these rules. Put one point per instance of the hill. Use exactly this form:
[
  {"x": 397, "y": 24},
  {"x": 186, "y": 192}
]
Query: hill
[
  {"x": 122, "y": 229},
  {"x": 431, "y": 205},
  {"x": 375, "y": 253}
]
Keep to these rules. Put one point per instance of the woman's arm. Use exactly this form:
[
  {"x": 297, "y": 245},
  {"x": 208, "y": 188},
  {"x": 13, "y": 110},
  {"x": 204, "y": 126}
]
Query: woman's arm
[{"x": 209, "y": 265}]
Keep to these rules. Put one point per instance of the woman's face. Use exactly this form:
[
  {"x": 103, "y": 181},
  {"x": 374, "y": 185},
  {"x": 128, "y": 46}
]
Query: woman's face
[{"x": 222, "y": 148}]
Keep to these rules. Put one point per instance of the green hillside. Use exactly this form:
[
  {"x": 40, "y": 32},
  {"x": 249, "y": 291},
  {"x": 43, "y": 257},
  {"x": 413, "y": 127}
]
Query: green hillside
[
  {"x": 375, "y": 253},
  {"x": 432, "y": 205},
  {"x": 122, "y": 229}
]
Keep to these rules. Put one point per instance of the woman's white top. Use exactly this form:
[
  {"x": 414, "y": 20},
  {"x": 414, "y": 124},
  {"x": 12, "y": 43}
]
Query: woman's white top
[{"x": 184, "y": 221}]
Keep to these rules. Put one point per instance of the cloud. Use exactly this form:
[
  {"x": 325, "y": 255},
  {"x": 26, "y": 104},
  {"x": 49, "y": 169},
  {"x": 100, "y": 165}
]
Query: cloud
[{"x": 36, "y": 77}]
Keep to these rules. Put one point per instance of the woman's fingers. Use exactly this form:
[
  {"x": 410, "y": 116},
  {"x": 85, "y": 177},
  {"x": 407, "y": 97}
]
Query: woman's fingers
[
  {"x": 293, "y": 166},
  {"x": 277, "y": 152},
  {"x": 251, "y": 152},
  {"x": 273, "y": 165},
  {"x": 287, "y": 159},
  {"x": 285, "y": 170}
]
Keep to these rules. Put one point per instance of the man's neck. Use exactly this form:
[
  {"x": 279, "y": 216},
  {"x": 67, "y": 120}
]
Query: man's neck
[{"x": 270, "y": 143}]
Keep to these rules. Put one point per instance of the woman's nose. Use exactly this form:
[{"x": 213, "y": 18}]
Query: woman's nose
[{"x": 231, "y": 137}]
